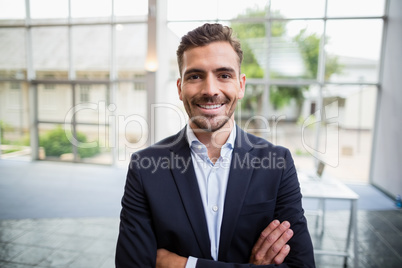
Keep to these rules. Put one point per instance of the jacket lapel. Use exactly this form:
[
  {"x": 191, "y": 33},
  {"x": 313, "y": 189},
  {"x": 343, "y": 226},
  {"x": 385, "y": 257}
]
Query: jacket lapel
[
  {"x": 239, "y": 178},
  {"x": 186, "y": 182}
]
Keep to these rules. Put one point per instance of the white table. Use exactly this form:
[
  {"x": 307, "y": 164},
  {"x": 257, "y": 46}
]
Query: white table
[{"x": 326, "y": 188}]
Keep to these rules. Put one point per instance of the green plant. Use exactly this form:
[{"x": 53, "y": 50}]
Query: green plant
[
  {"x": 56, "y": 143},
  {"x": 4, "y": 127},
  {"x": 300, "y": 152}
]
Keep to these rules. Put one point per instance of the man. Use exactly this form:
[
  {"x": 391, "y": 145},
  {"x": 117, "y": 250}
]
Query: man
[{"x": 212, "y": 195}]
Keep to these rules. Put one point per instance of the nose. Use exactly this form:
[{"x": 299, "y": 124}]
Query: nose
[{"x": 210, "y": 86}]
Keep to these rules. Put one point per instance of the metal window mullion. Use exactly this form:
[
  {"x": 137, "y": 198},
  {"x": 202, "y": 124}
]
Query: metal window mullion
[
  {"x": 383, "y": 43},
  {"x": 28, "y": 42},
  {"x": 321, "y": 81},
  {"x": 261, "y": 19},
  {"x": 74, "y": 123},
  {"x": 34, "y": 122},
  {"x": 379, "y": 91},
  {"x": 71, "y": 77},
  {"x": 113, "y": 75},
  {"x": 72, "y": 24},
  {"x": 113, "y": 86},
  {"x": 150, "y": 76},
  {"x": 266, "y": 92},
  {"x": 33, "y": 91},
  {"x": 71, "y": 69}
]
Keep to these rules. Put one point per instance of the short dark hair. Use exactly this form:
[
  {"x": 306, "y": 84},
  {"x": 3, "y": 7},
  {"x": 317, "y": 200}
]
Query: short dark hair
[{"x": 204, "y": 35}]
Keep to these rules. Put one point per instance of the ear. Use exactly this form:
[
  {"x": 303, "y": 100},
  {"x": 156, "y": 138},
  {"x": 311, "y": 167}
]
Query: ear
[
  {"x": 178, "y": 84},
  {"x": 242, "y": 86}
]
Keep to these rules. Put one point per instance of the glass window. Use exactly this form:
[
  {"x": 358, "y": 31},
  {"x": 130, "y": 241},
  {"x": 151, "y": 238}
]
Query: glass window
[
  {"x": 50, "y": 51},
  {"x": 254, "y": 45},
  {"x": 45, "y": 9},
  {"x": 140, "y": 83},
  {"x": 130, "y": 117},
  {"x": 12, "y": 53},
  {"x": 282, "y": 95},
  {"x": 355, "y": 8},
  {"x": 14, "y": 120},
  {"x": 354, "y": 120},
  {"x": 91, "y": 103},
  {"x": 294, "y": 49},
  {"x": 14, "y": 98},
  {"x": 297, "y": 8},
  {"x": 54, "y": 103},
  {"x": 93, "y": 144},
  {"x": 90, "y": 59},
  {"x": 15, "y": 85},
  {"x": 178, "y": 29},
  {"x": 124, "y": 8},
  {"x": 353, "y": 46},
  {"x": 91, "y": 8},
  {"x": 91, "y": 51},
  {"x": 178, "y": 10},
  {"x": 54, "y": 143},
  {"x": 85, "y": 93},
  {"x": 12, "y": 9},
  {"x": 131, "y": 49},
  {"x": 57, "y": 142},
  {"x": 228, "y": 10},
  {"x": 251, "y": 104}
]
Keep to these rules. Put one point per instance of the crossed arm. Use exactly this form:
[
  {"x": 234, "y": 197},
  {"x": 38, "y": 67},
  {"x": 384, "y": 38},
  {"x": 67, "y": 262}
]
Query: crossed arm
[
  {"x": 138, "y": 245},
  {"x": 270, "y": 248}
]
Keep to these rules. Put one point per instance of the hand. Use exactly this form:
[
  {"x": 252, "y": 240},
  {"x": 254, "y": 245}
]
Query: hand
[
  {"x": 271, "y": 247},
  {"x": 167, "y": 259}
]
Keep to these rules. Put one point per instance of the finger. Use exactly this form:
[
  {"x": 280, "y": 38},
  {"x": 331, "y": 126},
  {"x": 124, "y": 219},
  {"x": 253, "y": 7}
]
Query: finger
[
  {"x": 278, "y": 246},
  {"x": 264, "y": 234},
  {"x": 273, "y": 243},
  {"x": 274, "y": 236},
  {"x": 279, "y": 259}
]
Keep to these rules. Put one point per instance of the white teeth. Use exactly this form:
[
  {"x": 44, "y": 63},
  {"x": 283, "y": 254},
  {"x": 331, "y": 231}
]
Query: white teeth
[{"x": 210, "y": 106}]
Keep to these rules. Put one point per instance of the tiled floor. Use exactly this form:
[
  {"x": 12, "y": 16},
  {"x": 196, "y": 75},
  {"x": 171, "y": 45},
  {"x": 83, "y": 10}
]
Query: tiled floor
[
  {"x": 74, "y": 243},
  {"x": 379, "y": 238},
  {"x": 66, "y": 215},
  {"x": 91, "y": 243}
]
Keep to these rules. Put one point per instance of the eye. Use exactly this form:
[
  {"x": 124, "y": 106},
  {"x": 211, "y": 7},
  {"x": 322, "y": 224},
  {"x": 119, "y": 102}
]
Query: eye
[
  {"x": 225, "y": 76},
  {"x": 193, "y": 77}
]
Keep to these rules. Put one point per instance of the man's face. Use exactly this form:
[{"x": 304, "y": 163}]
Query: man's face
[{"x": 210, "y": 85}]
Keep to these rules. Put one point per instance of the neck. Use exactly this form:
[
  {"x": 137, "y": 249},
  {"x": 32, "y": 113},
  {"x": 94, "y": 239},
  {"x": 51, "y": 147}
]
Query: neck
[{"x": 214, "y": 140}]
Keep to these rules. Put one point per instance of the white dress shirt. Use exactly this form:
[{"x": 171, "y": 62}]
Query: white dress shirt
[{"x": 212, "y": 181}]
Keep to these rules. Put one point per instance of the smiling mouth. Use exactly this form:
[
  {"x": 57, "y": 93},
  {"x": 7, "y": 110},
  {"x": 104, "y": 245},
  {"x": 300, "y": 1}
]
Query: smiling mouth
[{"x": 210, "y": 106}]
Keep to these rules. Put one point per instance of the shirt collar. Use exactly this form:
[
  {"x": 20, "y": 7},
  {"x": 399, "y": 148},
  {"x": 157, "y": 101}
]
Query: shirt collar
[{"x": 193, "y": 140}]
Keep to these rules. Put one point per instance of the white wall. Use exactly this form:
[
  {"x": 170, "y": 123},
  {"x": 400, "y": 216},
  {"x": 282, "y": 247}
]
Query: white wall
[{"x": 386, "y": 170}]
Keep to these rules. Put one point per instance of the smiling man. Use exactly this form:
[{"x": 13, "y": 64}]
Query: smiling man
[
  {"x": 211, "y": 85},
  {"x": 225, "y": 208}
]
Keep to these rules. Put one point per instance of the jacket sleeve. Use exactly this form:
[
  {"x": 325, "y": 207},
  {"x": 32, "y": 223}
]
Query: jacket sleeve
[
  {"x": 289, "y": 207},
  {"x": 203, "y": 263},
  {"x": 136, "y": 244}
]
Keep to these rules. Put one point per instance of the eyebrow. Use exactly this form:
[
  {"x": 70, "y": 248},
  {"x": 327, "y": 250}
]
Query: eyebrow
[
  {"x": 225, "y": 69},
  {"x": 194, "y": 70},
  {"x": 221, "y": 69}
]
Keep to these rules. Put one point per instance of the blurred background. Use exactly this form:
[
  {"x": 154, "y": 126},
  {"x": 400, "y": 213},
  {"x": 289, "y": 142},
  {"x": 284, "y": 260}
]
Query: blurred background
[
  {"x": 85, "y": 83},
  {"x": 93, "y": 85}
]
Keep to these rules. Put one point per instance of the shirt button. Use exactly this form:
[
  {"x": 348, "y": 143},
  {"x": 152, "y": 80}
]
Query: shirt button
[
  {"x": 199, "y": 147},
  {"x": 215, "y": 208}
]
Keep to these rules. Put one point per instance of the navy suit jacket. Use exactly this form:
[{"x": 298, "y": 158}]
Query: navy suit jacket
[{"x": 162, "y": 207}]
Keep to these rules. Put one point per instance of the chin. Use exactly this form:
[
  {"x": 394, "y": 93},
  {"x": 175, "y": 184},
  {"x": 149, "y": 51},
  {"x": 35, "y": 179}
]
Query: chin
[{"x": 208, "y": 126}]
